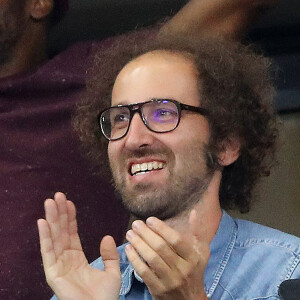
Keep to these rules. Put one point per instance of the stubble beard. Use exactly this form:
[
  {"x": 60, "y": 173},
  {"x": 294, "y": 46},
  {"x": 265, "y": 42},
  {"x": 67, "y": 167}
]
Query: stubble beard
[{"x": 183, "y": 190}]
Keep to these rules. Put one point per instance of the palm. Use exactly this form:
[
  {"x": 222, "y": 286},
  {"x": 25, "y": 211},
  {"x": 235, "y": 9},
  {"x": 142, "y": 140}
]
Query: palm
[
  {"x": 69, "y": 262},
  {"x": 80, "y": 281},
  {"x": 67, "y": 270}
]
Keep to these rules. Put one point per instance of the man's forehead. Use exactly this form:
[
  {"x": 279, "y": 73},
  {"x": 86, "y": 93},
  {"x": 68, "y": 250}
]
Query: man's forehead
[
  {"x": 156, "y": 74},
  {"x": 161, "y": 58},
  {"x": 161, "y": 55}
]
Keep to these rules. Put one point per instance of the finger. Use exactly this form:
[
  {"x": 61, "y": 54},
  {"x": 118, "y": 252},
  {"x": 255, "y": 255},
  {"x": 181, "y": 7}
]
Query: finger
[
  {"x": 52, "y": 218},
  {"x": 197, "y": 227},
  {"x": 141, "y": 268},
  {"x": 179, "y": 243},
  {"x": 46, "y": 244},
  {"x": 156, "y": 242},
  {"x": 72, "y": 227},
  {"x": 110, "y": 255},
  {"x": 61, "y": 203},
  {"x": 152, "y": 258}
]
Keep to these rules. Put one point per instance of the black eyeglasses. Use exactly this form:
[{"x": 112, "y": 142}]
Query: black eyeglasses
[{"x": 159, "y": 115}]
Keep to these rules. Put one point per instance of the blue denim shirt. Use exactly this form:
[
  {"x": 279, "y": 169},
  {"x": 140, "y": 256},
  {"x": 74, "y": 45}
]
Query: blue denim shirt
[{"x": 247, "y": 262}]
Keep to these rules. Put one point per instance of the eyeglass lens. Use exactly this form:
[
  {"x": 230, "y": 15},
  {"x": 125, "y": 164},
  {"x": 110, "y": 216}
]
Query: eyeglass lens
[{"x": 158, "y": 116}]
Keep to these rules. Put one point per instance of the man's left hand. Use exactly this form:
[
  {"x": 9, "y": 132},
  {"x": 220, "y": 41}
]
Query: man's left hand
[{"x": 171, "y": 264}]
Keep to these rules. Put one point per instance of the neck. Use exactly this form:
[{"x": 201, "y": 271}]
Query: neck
[
  {"x": 208, "y": 210},
  {"x": 29, "y": 52}
]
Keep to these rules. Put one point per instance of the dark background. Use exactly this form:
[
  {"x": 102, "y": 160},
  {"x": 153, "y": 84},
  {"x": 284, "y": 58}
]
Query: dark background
[{"x": 277, "y": 32}]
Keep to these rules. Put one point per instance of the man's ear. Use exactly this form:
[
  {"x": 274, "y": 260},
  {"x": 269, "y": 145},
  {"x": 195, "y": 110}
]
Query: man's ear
[
  {"x": 40, "y": 9},
  {"x": 230, "y": 153}
]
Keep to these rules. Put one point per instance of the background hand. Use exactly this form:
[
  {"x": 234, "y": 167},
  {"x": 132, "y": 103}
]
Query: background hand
[
  {"x": 66, "y": 267},
  {"x": 171, "y": 264}
]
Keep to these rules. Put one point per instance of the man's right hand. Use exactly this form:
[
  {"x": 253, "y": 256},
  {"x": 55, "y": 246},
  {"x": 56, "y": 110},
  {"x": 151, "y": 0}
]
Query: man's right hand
[{"x": 66, "y": 267}]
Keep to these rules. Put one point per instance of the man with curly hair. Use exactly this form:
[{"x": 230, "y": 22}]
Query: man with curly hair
[
  {"x": 39, "y": 150},
  {"x": 190, "y": 130}
]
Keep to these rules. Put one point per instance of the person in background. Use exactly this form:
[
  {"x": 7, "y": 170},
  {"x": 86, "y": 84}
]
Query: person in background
[
  {"x": 38, "y": 147},
  {"x": 39, "y": 150},
  {"x": 189, "y": 129},
  {"x": 23, "y": 37}
]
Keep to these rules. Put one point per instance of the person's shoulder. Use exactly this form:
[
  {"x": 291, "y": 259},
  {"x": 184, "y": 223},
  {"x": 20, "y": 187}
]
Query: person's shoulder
[
  {"x": 261, "y": 259},
  {"x": 83, "y": 50},
  {"x": 75, "y": 59},
  {"x": 250, "y": 234},
  {"x": 275, "y": 252}
]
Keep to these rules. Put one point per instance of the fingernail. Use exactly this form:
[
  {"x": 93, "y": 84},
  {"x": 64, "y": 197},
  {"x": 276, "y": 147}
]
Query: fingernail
[
  {"x": 136, "y": 224},
  {"x": 150, "y": 221},
  {"x": 59, "y": 195},
  {"x": 128, "y": 248},
  {"x": 130, "y": 234}
]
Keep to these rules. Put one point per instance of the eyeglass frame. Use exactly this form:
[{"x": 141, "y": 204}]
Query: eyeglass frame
[{"x": 137, "y": 108}]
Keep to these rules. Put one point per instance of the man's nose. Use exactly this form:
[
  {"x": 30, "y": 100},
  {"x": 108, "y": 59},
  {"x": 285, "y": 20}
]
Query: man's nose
[{"x": 138, "y": 135}]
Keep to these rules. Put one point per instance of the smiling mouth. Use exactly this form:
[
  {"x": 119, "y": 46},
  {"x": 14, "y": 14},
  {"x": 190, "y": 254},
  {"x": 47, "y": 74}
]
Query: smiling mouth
[{"x": 138, "y": 169}]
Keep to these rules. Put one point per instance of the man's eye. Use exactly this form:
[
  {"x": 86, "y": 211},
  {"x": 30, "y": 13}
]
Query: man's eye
[
  {"x": 165, "y": 114},
  {"x": 121, "y": 118},
  {"x": 120, "y": 121}
]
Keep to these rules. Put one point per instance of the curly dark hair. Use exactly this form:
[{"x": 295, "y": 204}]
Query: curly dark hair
[{"x": 235, "y": 86}]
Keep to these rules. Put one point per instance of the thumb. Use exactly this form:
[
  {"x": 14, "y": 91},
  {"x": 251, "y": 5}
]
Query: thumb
[
  {"x": 200, "y": 235},
  {"x": 110, "y": 255},
  {"x": 194, "y": 224},
  {"x": 198, "y": 228}
]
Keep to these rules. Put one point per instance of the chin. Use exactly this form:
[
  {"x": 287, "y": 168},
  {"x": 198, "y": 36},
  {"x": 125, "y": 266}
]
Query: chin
[
  {"x": 144, "y": 207},
  {"x": 144, "y": 215}
]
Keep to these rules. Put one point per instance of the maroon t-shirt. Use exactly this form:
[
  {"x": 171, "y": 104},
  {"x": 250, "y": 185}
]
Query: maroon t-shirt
[{"x": 39, "y": 155}]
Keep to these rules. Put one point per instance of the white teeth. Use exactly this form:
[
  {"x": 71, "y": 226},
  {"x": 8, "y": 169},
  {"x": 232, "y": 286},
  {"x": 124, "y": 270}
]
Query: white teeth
[
  {"x": 137, "y": 168},
  {"x": 140, "y": 173},
  {"x": 141, "y": 168}
]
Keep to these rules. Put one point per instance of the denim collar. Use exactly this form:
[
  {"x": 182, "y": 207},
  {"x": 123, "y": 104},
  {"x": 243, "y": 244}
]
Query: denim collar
[{"x": 220, "y": 250}]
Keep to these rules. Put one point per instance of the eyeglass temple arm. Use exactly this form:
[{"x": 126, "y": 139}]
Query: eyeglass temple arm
[{"x": 200, "y": 110}]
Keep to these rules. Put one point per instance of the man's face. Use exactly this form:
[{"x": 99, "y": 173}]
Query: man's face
[
  {"x": 182, "y": 175},
  {"x": 12, "y": 24}
]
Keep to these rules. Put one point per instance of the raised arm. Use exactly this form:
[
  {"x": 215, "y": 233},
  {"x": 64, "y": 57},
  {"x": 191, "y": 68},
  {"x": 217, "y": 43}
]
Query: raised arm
[
  {"x": 66, "y": 267},
  {"x": 220, "y": 18}
]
